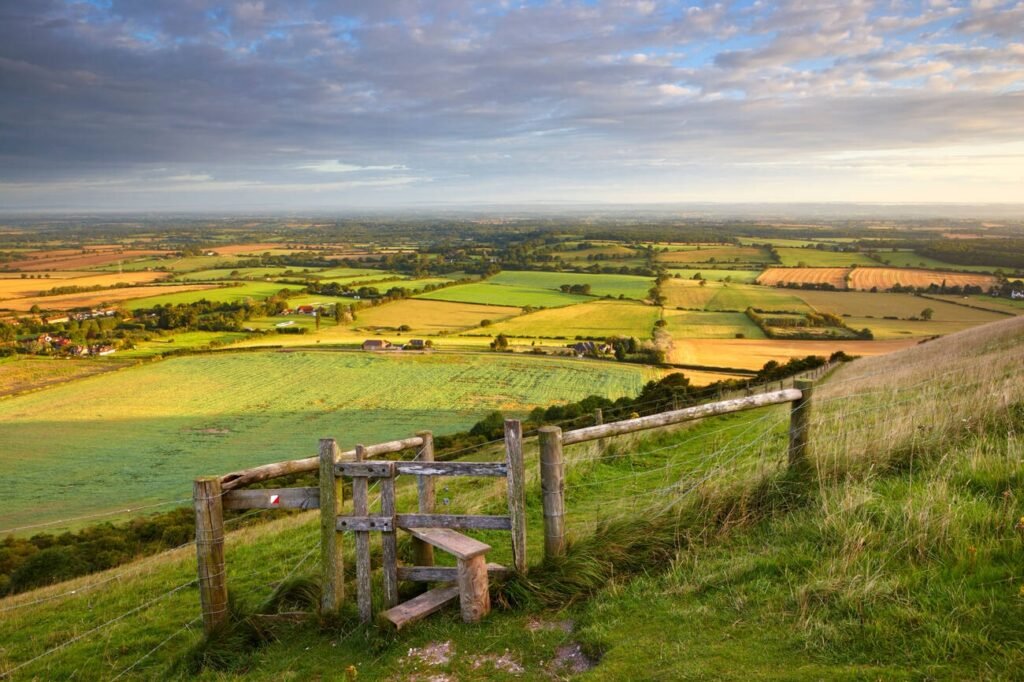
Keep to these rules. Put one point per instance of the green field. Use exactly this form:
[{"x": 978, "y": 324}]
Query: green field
[
  {"x": 617, "y": 250},
  {"x": 909, "y": 259},
  {"x": 239, "y": 273},
  {"x": 596, "y": 319},
  {"x": 628, "y": 286},
  {"x": 715, "y": 255},
  {"x": 864, "y": 304},
  {"x": 690, "y": 324},
  {"x": 349, "y": 273},
  {"x": 140, "y": 435},
  {"x": 815, "y": 258},
  {"x": 780, "y": 242},
  {"x": 175, "y": 341},
  {"x": 716, "y": 275},
  {"x": 724, "y": 297},
  {"x": 502, "y": 294},
  {"x": 255, "y": 290},
  {"x": 186, "y": 264}
]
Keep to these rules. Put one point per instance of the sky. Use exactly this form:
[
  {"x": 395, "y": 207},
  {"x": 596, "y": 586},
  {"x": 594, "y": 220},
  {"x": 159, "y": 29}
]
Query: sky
[{"x": 263, "y": 105}]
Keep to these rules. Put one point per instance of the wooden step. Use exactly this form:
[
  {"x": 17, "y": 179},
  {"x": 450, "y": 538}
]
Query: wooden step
[
  {"x": 420, "y": 607},
  {"x": 441, "y": 574},
  {"x": 445, "y": 539}
]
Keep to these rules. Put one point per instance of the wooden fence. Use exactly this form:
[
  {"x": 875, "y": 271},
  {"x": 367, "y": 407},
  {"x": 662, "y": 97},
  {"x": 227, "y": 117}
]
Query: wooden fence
[{"x": 212, "y": 495}]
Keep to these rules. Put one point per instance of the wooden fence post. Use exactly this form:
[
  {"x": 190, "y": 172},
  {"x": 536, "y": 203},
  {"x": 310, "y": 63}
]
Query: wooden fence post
[
  {"x": 800, "y": 425},
  {"x": 332, "y": 565},
  {"x": 552, "y": 486},
  {"x": 423, "y": 552},
  {"x": 213, "y": 584},
  {"x": 516, "y": 491},
  {"x": 598, "y": 420},
  {"x": 388, "y": 539},
  {"x": 360, "y": 507}
]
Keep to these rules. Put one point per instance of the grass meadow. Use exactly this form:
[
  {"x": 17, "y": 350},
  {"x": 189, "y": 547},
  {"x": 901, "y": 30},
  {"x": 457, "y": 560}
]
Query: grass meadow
[
  {"x": 488, "y": 293},
  {"x": 717, "y": 275},
  {"x": 142, "y": 434},
  {"x": 691, "y": 324},
  {"x": 816, "y": 258},
  {"x": 430, "y": 317},
  {"x": 628, "y": 286}
]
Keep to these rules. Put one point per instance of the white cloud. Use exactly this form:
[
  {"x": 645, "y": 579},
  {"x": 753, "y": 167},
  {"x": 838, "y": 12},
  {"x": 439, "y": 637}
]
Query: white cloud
[{"x": 335, "y": 166}]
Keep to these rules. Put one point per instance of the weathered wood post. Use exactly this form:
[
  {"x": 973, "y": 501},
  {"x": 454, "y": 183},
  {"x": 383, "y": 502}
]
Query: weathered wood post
[
  {"x": 332, "y": 566},
  {"x": 598, "y": 421},
  {"x": 516, "y": 491},
  {"x": 424, "y": 552},
  {"x": 388, "y": 539},
  {"x": 213, "y": 583},
  {"x": 360, "y": 507},
  {"x": 800, "y": 426},
  {"x": 552, "y": 486}
]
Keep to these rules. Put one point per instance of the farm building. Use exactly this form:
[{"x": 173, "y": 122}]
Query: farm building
[
  {"x": 415, "y": 344},
  {"x": 376, "y": 344},
  {"x": 591, "y": 348}
]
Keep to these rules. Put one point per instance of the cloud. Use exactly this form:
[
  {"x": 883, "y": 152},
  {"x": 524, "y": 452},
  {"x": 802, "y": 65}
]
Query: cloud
[{"x": 335, "y": 166}]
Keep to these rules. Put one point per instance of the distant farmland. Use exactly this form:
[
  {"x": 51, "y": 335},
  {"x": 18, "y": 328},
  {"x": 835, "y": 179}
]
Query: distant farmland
[
  {"x": 834, "y": 276},
  {"x": 886, "y": 278},
  {"x": 142, "y": 434}
]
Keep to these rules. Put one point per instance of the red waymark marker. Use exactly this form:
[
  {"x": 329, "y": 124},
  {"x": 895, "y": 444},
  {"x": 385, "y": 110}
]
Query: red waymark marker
[{"x": 275, "y": 499}]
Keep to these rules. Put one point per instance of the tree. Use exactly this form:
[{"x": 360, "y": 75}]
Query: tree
[
  {"x": 500, "y": 343},
  {"x": 927, "y": 313}
]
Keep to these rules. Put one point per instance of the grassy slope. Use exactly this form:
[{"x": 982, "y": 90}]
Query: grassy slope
[{"x": 901, "y": 560}]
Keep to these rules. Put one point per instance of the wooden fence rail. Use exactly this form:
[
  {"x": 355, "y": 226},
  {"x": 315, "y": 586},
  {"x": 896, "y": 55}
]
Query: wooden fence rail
[{"x": 212, "y": 495}]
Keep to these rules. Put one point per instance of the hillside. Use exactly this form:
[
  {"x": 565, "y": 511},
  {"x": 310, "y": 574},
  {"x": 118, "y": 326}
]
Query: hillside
[{"x": 695, "y": 555}]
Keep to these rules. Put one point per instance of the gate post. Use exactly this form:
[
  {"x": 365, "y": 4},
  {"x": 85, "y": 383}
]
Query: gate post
[
  {"x": 516, "y": 491},
  {"x": 552, "y": 486},
  {"x": 213, "y": 583},
  {"x": 332, "y": 565},
  {"x": 424, "y": 553}
]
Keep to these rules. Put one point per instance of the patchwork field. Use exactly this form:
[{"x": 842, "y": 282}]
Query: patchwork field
[
  {"x": 429, "y": 317},
  {"x": 817, "y": 258},
  {"x": 864, "y": 304},
  {"x": 75, "y": 259},
  {"x": 600, "y": 250},
  {"x": 256, "y": 290},
  {"x": 752, "y": 354},
  {"x": 717, "y": 274},
  {"x": 595, "y": 319},
  {"x": 725, "y": 297},
  {"x": 106, "y": 296},
  {"x": 503, "y": 294},
  {"x": 690, "y": 324},
  {"x": 237, "y": 273},
  {"x": 775, "y": 276},
  {"x": 142, "y": 434},
  {"x": 886, "y": 278},
  {"x": 909, "y": 259},
  {"x": 176, "y": 341},
  {"x": 628, "y": 286},
  {"x": 20, "y": 288},
  {"x": 716, "y": 254}
]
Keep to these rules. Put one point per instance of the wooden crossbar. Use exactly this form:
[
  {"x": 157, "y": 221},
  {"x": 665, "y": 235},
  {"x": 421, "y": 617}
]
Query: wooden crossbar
[
  {"x": 461, "y": 546},
  {"x": 272, "y": 498}
]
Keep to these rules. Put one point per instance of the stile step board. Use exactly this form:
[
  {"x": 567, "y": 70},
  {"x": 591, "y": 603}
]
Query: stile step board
[
  {"x": 443, "y": 574},
  {"x": 420, "y": 607},
  {"x": 447, "y": 540}
]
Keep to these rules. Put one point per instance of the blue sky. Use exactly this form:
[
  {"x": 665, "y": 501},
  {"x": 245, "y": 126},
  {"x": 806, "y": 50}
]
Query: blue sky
[{"x": 268, "y": 105}]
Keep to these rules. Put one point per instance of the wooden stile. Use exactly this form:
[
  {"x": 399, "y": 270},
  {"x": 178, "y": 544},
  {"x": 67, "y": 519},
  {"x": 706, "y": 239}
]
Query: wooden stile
[
  {"x": 426, "y": 499},
  {"x": 213, "y": 586},
  {"x": 552, "y": 486},
  {"x": 332, "y": 565},
  {"x": 360, "y": 507},
  {"x": 516, "y": 491}
]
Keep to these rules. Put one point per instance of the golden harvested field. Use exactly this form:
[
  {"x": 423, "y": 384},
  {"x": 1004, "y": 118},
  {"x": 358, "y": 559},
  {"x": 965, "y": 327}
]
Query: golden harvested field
[
  {"x": 78, "y": 260},
  {"x": 886, "y": 278},
  {"x": 753, "y": 353},
  {"x": 834, "y": 276},
  {"x": 723, "y": 296},
  {"x": 431, "y": 316},
  {"x": 20, "y": 288},
  {"x": 596, "y": 319},
  {"x": 95, "y": 298},
  {"x": 902, "y": 329},
  {"x": 864, "y": 304}
]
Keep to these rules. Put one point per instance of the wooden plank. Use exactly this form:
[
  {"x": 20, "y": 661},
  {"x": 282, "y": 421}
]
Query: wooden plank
[
  {"x": 420, "y": 607},
  {"x": 461, "y": 546},
  {"x": 360, "y": 506},
  {"x": 474, "y": 591},
  {"x": 365, "y": 524},
  {"x": 388, "y": 542},
  {"x": 364, "y": 469},
  {"x": 478, "y": 521},
  {"x": 272, "y": 498},
  {"x": 240, "y": 479},
  {"x": 552, "y": 487},
  {"x": 444, "y": 574},
  {"x": 426, "y": 499},
  {"x": 213, "y": 587},
  {"x": 516, "y": 491},
  {"x": 453, "y": 468},
  {"x": 678, "y": 416},
  {"x": 332, "y": 565},
  {"x": 800, "y": 426}
]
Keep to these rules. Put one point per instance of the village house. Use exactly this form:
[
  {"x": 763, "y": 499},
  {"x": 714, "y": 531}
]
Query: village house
[
  {"x": 305, "y": 310},
  {"x": 376, "y": 344},
  {"x": 592, "y": 348}
]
